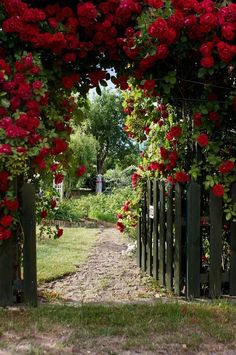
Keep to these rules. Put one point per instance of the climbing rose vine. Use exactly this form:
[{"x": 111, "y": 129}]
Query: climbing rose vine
[{"x": 179, "y": 52}]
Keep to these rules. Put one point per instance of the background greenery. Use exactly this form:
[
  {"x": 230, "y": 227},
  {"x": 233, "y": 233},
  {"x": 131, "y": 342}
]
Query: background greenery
[{"x": 101, "y": 206}]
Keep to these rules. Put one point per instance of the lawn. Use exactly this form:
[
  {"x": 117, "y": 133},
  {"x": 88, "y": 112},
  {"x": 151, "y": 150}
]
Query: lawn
[
  {"x": 114, "y": 329},
  {"x": 59, "y": 257}
]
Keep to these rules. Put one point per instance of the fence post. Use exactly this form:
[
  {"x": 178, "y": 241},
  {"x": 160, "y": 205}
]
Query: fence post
[
  {"x": 162, "y": 279},
  {"x": 155, "y": 228},
  {"x": 169, "y": 238},
  {"x": 144, "y": 232},
  {"x": 28, "y": 218},
  {"x": 6, "y": 273},
  {"x": 193, "y": 240},
  {"x": 150, "y": 229},
  {"x": 215, "y": 245},
  {"x": 232, "y": 275},
  {"x": 139, "y": 244},
  {"x": 178, "y": 239}
]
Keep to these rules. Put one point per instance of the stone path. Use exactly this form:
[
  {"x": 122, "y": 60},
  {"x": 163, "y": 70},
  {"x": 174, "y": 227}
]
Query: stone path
[{"x": 109, "y": 275}]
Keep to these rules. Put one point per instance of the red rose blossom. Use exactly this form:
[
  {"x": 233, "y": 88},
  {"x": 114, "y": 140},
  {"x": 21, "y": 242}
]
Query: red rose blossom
[
  {"x": 6, "y": 221},
  {"x": 203, "y": 140},
  {"x": 226, "y": 167},
  {"x": 218, "y": 190},
  {"x": 181, "y": 176}
]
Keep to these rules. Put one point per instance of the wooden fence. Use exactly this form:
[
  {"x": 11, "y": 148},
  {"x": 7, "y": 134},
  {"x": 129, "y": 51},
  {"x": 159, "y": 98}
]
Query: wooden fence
[
  {"x": 184, "y": 241},
  {"x": 18, "y": 281}
]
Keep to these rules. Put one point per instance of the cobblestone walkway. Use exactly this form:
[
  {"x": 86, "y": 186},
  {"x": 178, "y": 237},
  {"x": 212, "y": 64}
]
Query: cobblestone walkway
[{"x": 109, "y": 275}]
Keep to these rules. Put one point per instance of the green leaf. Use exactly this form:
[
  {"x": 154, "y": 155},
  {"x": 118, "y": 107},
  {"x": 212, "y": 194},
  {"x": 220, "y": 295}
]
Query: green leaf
[
  {"x": 5, "y": 103},
  {"x": 98, "y": 90},
  {"x": 103, "y": 83}
]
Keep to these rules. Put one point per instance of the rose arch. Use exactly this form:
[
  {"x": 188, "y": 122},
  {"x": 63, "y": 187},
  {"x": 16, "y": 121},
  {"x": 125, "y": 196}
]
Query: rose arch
[{"x": 178, "y": 52}]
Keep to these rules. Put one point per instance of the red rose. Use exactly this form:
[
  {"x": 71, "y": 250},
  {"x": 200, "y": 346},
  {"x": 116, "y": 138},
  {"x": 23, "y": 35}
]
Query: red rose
[
  {"x": 125, "y": 207},
  {"x": 226, "y": 167},
  {"x": 181, "y": 176},
  {"x": 206, "y": 49},
  {"x": 59, "y": 146},
  {"x": 228, "y": 32},
  {"x": 157, "y": 4},
  {"x": 11, "y": 205},
  {"x": 214, "y": 116},
  {"x": 54, "y": 166},
  {"x": 218, "y": 190},
  {"x": 134, "y": 180},
  {"x": 207, "y": 62},
  {"x": 147, "y": 130},
  {"x": 164, "y": 153},
  {"x": 208, "y": 22},
  {"x": 37, "y": 84},
  {"x": 3, "y": 181},
  {"x": 203, "y": 140},
  {"x": 53, "y": 204},
  {"x": 43, "y": 214},
  {"x": 120, "y": 216},
  {"x": 197, "y": 119},
  {"x": 58, "y": 178},
  {"x": 175, "y": 132},
  {"x": 5, "y": 149},
  {"x": 4, "y": 233},
  {"x": 149, "y": 85},
  {"x": 81, "y": 170},
  {"x": 59, "y": 232},
  {"x": 120, "y": 226},
  {"x": 226, "y": 52},
  {"x": 87, "y": 14},
  {"x": 5, "y": 221},
  {"x": 161, "y": 52}
]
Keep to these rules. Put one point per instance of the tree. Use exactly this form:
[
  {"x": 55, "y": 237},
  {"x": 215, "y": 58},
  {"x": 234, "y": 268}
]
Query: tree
[
  {"x": 105, "y": 122},
  {"x": 83, "y": 152}
]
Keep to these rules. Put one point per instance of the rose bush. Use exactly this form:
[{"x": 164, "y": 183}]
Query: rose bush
[
  {"x": 171, "y": 153},
  {"x": 179, "y": 52}
]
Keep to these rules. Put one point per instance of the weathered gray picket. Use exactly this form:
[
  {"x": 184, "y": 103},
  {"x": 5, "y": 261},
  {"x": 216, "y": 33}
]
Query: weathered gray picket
[{"x": 170, "y": 239}]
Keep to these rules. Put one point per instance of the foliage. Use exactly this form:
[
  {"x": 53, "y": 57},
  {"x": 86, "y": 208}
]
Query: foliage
[
  {"x": 179, "y": 52},
  {"x": 117, "y": 178},
  {"x": 174, "y": 151},
  {"x": 83, "y": 148},
  {"x": 100, "y": 206},
  {"x": 105, "y": 121}
]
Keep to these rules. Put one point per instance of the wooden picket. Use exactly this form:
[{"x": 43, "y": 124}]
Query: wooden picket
[
  {"x": 15, "y": 286},
  {"x": 170, "y": 239},
  {"x": 193, "y": 240}
]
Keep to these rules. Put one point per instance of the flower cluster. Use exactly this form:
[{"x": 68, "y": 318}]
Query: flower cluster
[
  {"x": 175, "y": 148},
  {"x": 31, "y": 139}
]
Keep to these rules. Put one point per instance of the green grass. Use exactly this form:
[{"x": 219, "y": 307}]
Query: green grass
[
  {"x": 141, "y": 326},
  {"x": 102, "y": 216},
  {"x": 56, "y": 258}
]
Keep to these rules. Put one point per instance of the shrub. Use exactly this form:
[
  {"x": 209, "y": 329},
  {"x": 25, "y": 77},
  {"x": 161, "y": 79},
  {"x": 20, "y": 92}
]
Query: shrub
[{"x": 102, "y": 207}]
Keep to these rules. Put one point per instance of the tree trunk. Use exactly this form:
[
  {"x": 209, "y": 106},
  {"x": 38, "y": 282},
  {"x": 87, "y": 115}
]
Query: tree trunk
[{"x": 100, "y": 165}]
